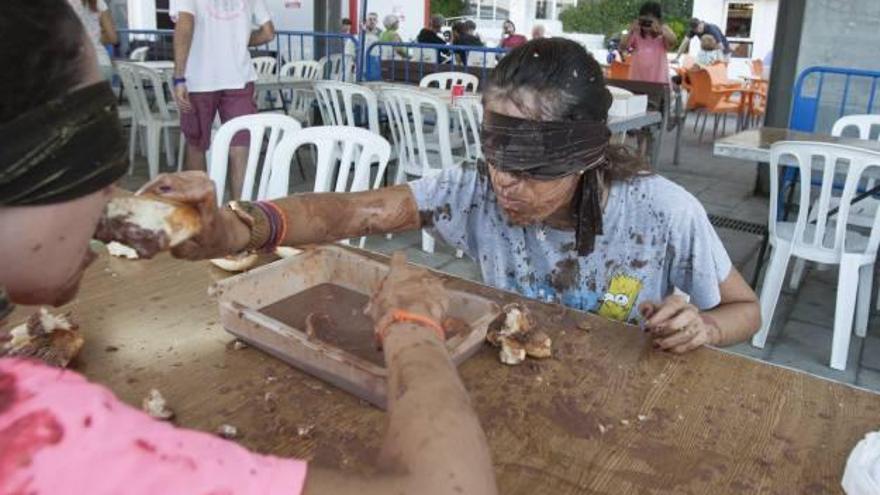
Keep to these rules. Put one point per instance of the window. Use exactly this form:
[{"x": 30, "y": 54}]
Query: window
[
  {"x": 563, "y": 5},
  {"x": 489, "y": 10},
  {"x": 739, "y": 20},
  {"x": 163, "y": 20},
  {"x": 541, "y": 9}
]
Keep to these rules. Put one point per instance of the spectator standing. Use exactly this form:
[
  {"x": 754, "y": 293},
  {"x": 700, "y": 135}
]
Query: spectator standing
[
  {"x": 213, "y": 73},
  {"x": 467, "y": 36},
  {"x": 372, "y": 31},
  {"x": 509, "y": 38},
  {"x": 95, "y": 17},
  {"x": 649, "y": 40},
  {"x": 391, "y": 35},
  {"x": 433, "y": 35},
  {"x": 700, "y": 28}
]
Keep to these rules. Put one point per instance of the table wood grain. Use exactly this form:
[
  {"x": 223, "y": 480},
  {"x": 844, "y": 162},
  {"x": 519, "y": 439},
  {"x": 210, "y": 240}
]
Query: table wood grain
[{"x": 607, "y": 414}]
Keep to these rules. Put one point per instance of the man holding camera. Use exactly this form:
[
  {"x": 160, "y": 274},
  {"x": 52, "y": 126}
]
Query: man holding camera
[{"x": 648, "y": 40}]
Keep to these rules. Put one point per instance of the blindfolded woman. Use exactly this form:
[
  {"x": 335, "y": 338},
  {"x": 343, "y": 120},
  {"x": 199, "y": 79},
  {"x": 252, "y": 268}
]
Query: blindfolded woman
[{"x": 555, "y": 212}]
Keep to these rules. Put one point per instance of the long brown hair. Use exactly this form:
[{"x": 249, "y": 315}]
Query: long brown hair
[{"x": 91, "y": 4}]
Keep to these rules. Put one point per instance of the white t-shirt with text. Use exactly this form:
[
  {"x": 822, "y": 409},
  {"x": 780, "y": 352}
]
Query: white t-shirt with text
[{"x": 219, "y": 58}]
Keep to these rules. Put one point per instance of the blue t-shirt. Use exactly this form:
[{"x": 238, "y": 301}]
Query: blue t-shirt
[{"x": 657, "y": 237}]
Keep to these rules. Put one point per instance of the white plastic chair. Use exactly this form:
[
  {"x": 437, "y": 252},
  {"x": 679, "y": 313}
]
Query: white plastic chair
[
  {"x": 264, "y": 67},
  {"x": 306, "y": 70},
  {"x": 470, "y": 115},
  {"x": 827, "y": 241},
  {"x": 446, "y": 80},
  {"x": 862, "y": 213},
  {"x": 155, "y": 117},
  {"x": 339, "y": 102},
  {"x": 279, "y": 127},
  {"x": 340, "y": 149},
  {"x": 332, "y": 68},
  {"x": 139, "y": 54},
  {"x": 406, "y": 111}
]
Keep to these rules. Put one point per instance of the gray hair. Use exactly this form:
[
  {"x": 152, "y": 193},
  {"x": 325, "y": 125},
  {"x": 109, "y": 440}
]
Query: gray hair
[
  {"x": 391, "y": 21},
  {"x": 437, "y": 21}
]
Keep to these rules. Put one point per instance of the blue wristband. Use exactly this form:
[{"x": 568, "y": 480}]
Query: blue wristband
[{"x": 179, "y": 80}]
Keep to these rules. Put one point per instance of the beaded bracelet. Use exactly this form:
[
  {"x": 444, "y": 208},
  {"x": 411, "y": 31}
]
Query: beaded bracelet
[{"x": 277, "y": 221}]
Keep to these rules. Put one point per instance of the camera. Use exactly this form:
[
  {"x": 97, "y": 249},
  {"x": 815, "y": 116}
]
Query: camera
[{"x": 646, "y": 23}]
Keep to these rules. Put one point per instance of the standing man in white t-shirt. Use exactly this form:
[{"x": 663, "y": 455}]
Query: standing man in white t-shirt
[{"x": 213, "y": 73}]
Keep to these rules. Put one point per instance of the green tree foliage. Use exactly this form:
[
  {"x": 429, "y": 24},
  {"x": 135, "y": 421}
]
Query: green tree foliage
[
  {"x": 610, "y": 17},
  {"x": 449, "y": 8}
]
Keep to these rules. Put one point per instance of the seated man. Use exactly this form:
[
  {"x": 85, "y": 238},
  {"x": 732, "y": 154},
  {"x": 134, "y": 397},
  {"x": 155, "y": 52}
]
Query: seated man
[
  {"x": 555, "y": 213},
  {"x": 60, "y": 434}
]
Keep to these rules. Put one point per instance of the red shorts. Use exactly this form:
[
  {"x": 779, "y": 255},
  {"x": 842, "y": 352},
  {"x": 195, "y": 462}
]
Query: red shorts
[{"x": 231, "y": 103}]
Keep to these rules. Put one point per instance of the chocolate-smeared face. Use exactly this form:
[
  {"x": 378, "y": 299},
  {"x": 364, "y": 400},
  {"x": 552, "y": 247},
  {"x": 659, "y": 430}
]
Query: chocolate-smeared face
[{"x": 524, "y": 200}]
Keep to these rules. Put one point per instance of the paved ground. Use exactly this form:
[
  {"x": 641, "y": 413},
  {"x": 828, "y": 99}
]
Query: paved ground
[{"x": 801, "y": 334}]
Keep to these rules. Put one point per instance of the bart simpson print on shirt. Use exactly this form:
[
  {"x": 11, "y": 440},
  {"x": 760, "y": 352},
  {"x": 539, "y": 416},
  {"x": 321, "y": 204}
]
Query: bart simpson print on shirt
[{"x": 623, "y": 291}]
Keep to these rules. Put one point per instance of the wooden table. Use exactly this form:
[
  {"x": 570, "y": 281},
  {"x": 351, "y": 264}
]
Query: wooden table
[
  {"x": 709, "y": 422},
  {"x": 753, "y": 145}
]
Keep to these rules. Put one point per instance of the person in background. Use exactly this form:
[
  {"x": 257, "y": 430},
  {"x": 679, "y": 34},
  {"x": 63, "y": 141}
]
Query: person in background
[
  {"x": 391, "y": 35},
  {"x": 700, "y": 28},
  {"x": 213, "y": 74},
  {"x": 649, "y": 40},
  {"x": 710, "y": 52},
  {"x": 101, "y": 29},
  {"x": 372, "y": 31},
  {"x": 345, "y": 27},
  {"x": 60, "y": 432},
  {"x": 509, "y": 38},
  {"x": 433, "y": 36},
  {"x": 539, "y": 31},
  {"x": 467, "y": 36}
]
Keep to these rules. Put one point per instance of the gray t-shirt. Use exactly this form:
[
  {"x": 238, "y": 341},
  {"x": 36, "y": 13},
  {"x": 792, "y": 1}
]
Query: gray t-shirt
[{"x": 657, "y": 238}]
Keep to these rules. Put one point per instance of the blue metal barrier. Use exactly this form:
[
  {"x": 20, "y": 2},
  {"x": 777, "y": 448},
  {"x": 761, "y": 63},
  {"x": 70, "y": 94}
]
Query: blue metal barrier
[
  {"x": 808, "y": 111},
  {"x": 405, "y": 55},
  {"x": 832, "y": 90}
]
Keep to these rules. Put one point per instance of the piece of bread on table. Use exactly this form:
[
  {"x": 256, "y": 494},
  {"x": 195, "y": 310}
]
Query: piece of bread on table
[
  {"x": 147, "y": 224},
  {"x": 53, "y": 339}
]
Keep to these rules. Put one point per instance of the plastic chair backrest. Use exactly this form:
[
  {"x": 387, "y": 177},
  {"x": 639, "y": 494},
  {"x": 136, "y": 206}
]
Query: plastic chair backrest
[
  {"x": 139, "y": 54},
  {"x": 264, "y": 66},
  {"x": 757, "y": 67},
  {"x": 471, "y": 112},
  {"x": 307, "y": 70},
  {"x": 717, "y": 73},
  {"x": 339, "y": 101},
  {"x": 137, "y": 79},
  {"x": 338, "y": 149},
  {"x": 618, "y": 70},
  {"x": 701, "y": 88},
  {"x": 446, "y": 80},
  {"x": 406, "y": 110},
  {"x": 280, "y": 127},
  {"x": 333, "y": 68},
  {"x": 864, "y": 124},
  {"x": 829, "y": 161}
]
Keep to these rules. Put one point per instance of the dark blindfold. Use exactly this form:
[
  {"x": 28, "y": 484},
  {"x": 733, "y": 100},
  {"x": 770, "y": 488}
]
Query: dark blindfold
[{"x": 62, "y": 150}]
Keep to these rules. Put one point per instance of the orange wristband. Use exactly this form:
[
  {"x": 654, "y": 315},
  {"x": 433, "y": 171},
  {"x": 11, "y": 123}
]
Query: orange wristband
[{"x": 401, "y": 316}]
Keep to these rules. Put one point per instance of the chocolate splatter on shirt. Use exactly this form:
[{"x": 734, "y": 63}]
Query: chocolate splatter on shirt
[{"x": 537, "y": 261}]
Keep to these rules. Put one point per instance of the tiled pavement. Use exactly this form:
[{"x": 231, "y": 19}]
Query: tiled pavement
[{"x": 801, "y": 335}]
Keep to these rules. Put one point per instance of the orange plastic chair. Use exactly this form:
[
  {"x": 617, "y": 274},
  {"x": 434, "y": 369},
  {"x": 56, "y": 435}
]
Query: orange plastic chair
[
  {"x": 718, "y": 74},
  {"x": 713, "y": 99},
  {"x": 619, "y": 70}
]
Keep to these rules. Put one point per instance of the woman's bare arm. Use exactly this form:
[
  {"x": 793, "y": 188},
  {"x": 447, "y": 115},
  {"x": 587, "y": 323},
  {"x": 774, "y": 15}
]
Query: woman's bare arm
[
  {"x": 312, "y": 218},
  {"x": 434, "y": 443},
  {"x": 108, "y": 29}
]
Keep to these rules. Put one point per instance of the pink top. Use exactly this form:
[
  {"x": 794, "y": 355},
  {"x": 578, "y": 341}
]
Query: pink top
[
  {"x": 513, "y": 41},
  {"x": 648, "y": 61},
  {"x": 61, "y": 434}
]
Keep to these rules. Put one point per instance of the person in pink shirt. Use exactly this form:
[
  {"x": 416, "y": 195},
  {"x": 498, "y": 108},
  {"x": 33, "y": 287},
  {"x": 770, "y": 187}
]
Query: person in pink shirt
[
  {"x": 509, "y": 38},
  {"x": 649, "y": 40},
  {"x": 63, "y": 149}
]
